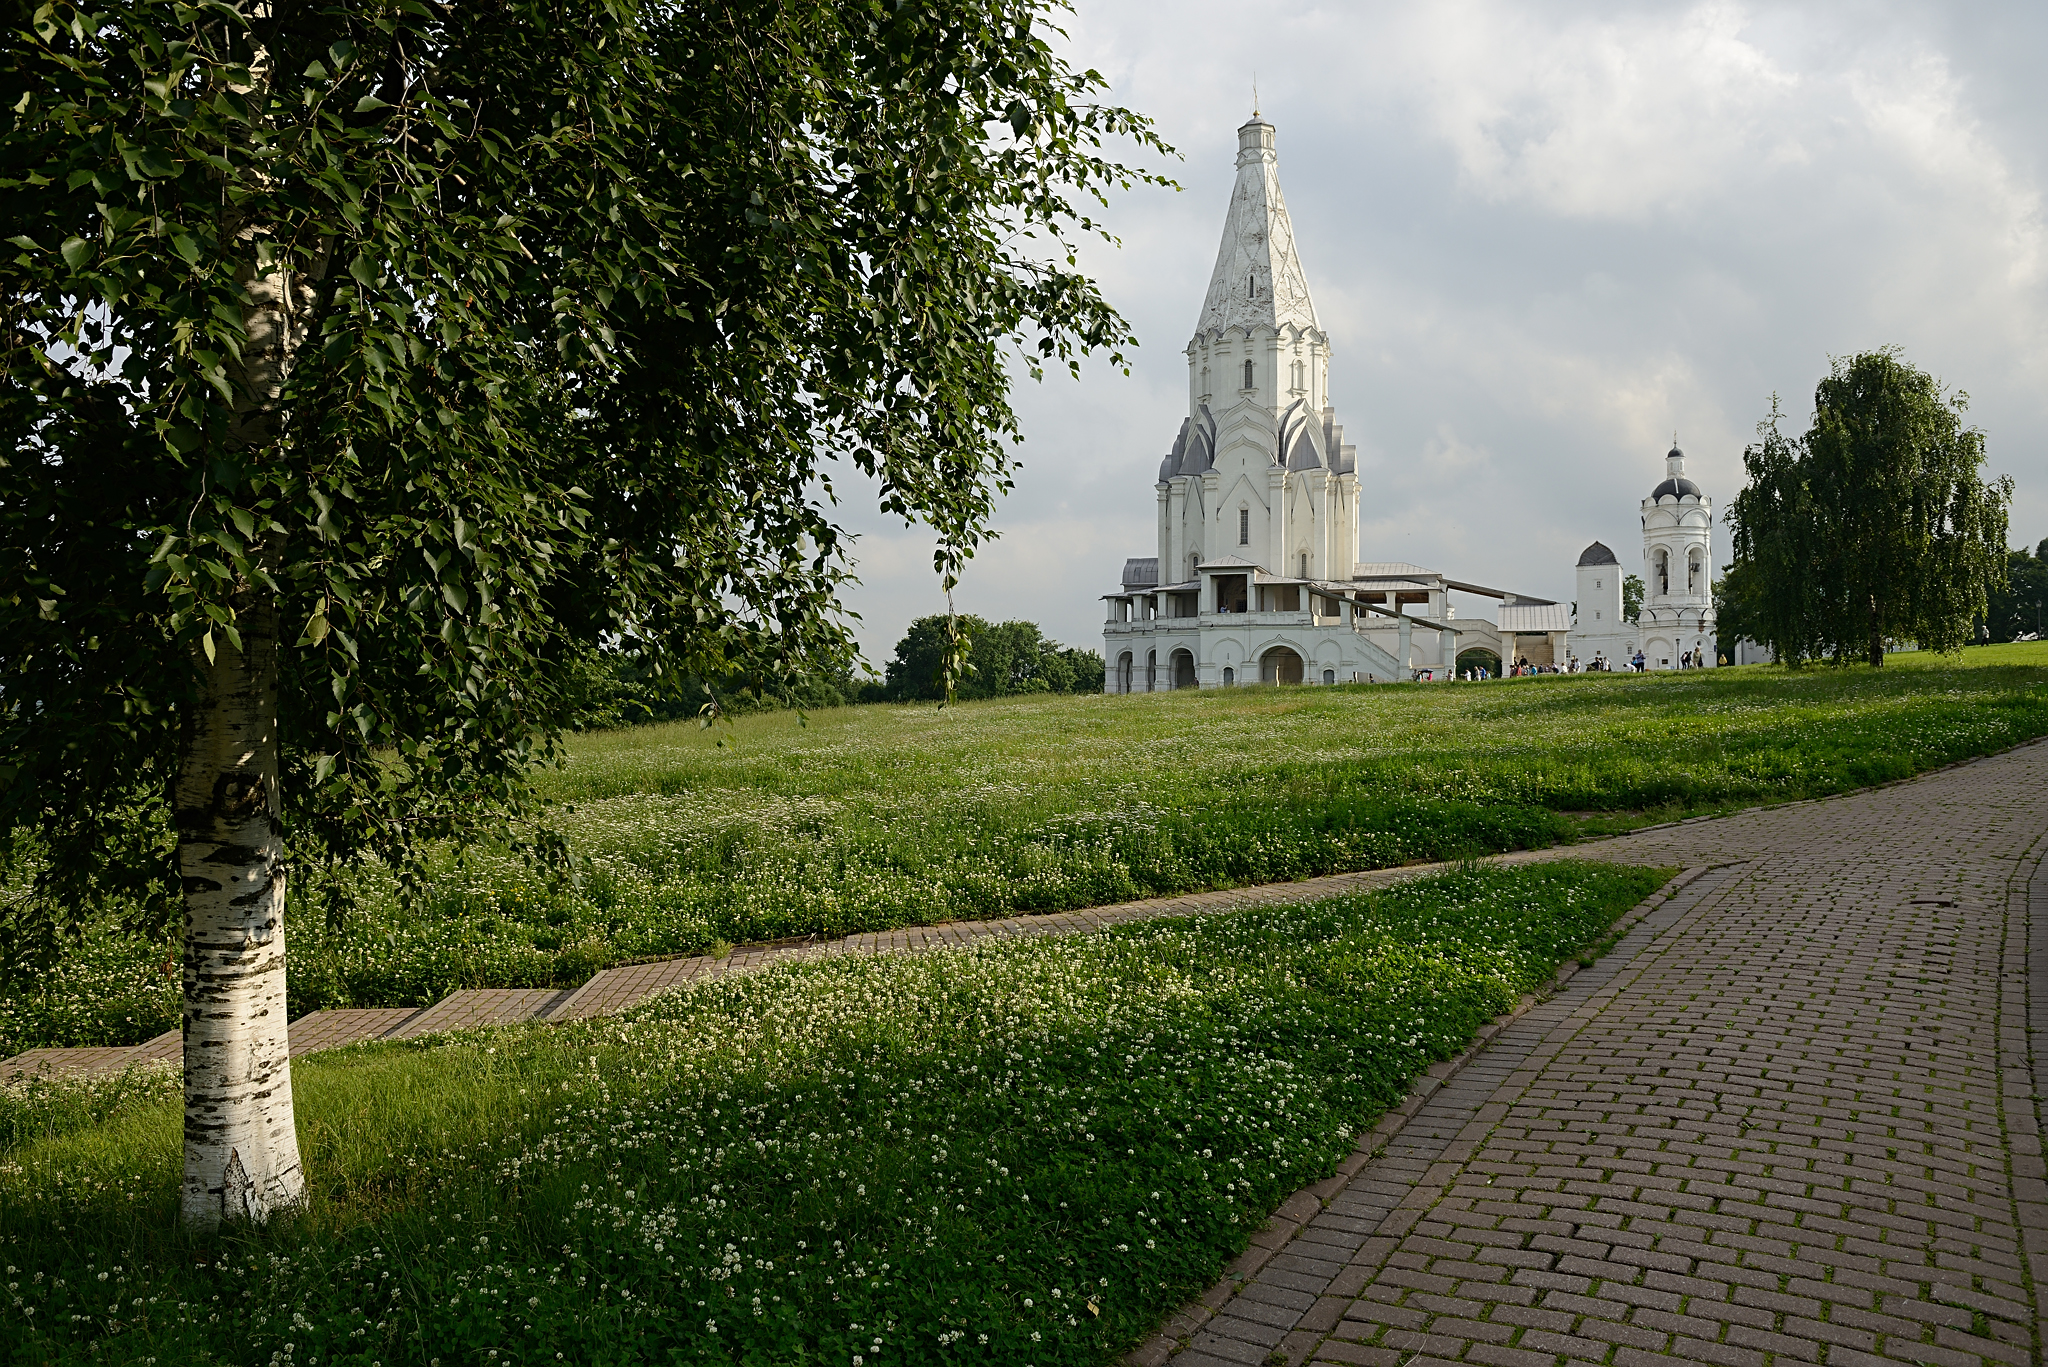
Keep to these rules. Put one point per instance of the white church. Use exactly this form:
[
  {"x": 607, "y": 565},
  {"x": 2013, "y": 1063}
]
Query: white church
[
  {"x": 1258, "y": 576},
  {"x": 1677, "y": 619}
]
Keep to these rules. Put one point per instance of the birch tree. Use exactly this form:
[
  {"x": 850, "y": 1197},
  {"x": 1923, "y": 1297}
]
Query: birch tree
[
  {"x": 367, "y": 363},
  {"x": 1877, "y": 525}
]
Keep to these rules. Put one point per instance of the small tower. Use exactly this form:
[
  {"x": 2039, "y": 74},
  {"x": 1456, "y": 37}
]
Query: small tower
[{"x": 1678, "y": 568}]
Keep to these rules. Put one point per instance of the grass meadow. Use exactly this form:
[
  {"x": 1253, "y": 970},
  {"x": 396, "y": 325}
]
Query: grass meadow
[
  {"x": 1023, "y": 1152},
  {"x": 861, "y": 818}
]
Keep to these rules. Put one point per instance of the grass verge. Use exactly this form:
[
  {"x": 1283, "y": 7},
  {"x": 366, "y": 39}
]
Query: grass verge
[
  {"x": 869, "y": 818},
  {"x": 1020, "y": 1152}
]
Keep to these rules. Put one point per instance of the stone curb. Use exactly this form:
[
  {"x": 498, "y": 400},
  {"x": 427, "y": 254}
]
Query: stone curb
[{"x": 1296, "y": 1211}]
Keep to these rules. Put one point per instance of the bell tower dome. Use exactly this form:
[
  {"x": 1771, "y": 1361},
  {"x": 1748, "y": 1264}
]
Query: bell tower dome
[{"x": 1678, "y": 568}]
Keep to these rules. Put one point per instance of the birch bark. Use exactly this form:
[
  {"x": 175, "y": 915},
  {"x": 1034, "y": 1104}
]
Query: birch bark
[
  {"x": 241, "y": 1141},
  {"x": 241, "y": 1137}
]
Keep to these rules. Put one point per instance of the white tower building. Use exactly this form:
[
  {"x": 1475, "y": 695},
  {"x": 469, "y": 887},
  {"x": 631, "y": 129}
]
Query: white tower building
[
  {"x": 1600, "y": 635},
  {"x": 1678, "y": 559},
  {"x": 1257, "y": 578},
  {"x": 1272, "y": 482}
]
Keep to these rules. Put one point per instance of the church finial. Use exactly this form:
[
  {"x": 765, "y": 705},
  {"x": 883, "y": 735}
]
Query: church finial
[{"x": 1255, "y": 94}]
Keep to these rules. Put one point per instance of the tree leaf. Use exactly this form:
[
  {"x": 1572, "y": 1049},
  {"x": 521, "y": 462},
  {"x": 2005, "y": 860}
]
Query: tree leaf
[{"x": 76, "y": 252}]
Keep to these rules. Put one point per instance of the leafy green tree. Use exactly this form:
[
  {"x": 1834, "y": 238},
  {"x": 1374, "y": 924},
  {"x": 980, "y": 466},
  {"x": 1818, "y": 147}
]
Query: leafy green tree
[
  {"x": 1004, "y": 659},
  {"x": 2019, "y": 606},
  {"x": 1632, "y": 598},
  {"x": 1877, "y": 524},
  {"x": 1738, "y": 608},
  {"x": 1776, "y": 558},
  {"x": 369, "y": 362}
]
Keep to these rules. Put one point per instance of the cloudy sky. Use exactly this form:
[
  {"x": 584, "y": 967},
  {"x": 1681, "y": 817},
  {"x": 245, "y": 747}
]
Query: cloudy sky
[{"x": 1541, "y": 238}]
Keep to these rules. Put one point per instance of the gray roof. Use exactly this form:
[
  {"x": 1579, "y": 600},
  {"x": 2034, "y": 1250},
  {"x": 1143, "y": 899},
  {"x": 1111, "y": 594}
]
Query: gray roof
[
  {"x": 1533, "y": 617},
  {"x": 1676, "y": 488},
  {"x": 1597, "y": 554},
  {"x": 1141, "y": 573}
]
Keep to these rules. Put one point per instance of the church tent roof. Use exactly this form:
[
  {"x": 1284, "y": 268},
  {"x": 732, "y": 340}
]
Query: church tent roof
[{"x": 1258, "y": 280}]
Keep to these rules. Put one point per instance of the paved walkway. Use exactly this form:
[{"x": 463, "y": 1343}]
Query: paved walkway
[{"x": 1791, "y": 1118}]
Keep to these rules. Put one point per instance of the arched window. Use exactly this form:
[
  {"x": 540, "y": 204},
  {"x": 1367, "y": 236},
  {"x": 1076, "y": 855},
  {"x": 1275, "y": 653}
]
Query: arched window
[
  {"x": 1247, "y": 374},
  {"x": 1251, "y": 284},
  {"x": 1244, "y": 526},
  {"x": 1304, "y": 565}
]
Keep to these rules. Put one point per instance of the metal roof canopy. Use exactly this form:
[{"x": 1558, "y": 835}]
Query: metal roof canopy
[{"x": 1502, "y": 594}]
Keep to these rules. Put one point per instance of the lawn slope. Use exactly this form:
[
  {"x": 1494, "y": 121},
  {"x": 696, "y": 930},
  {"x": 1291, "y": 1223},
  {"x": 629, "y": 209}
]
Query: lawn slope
[
  {"x": 875, "y": 817},
  {"x": 1025, "y": 1151}
]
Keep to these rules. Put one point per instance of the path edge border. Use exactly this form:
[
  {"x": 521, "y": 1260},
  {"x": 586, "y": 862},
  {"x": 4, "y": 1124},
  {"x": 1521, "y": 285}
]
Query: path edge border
[{"x": 1297, "y": 1210}]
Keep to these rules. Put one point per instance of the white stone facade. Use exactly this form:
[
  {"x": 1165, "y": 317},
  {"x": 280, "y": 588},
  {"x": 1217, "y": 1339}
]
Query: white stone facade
[
  {"x": 1678, "y": 592},
  {"x": 1257, "y": 576}
]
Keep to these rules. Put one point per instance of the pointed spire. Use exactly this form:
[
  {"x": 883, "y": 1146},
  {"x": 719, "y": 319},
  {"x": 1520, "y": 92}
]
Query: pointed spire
[{"x": 1258, "y": 278}]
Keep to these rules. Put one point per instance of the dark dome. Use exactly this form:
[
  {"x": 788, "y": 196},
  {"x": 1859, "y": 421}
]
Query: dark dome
[
  {"x": 1676, "y": 487},
  {"x": 1674, "y": 453},
  {"x": 1597, "y": 554}
]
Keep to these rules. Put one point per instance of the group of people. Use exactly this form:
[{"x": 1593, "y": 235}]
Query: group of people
[{"x": 1637, "y": 663}]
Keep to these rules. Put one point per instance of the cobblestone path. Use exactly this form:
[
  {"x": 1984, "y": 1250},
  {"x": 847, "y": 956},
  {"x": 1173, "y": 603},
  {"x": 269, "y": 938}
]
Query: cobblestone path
[{"x": 1791, "y": 1118}]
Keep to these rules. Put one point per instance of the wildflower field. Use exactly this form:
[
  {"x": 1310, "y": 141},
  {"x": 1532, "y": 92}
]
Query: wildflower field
[
  {"x": 873, "y": 817},
  {"x": 1023, "y": 1152}
]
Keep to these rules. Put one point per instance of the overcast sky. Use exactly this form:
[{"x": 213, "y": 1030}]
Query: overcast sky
[{"x": 1541, "y": 238}]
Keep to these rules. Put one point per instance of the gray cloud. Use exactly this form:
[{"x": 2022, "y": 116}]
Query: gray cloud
[{"x": 1541, "y": 238}]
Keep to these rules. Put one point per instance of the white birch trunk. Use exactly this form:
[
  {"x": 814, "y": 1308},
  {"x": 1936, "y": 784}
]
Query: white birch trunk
[
  {"x": 241, "y": 1142},
  {"x": 241, "y": 1139}
]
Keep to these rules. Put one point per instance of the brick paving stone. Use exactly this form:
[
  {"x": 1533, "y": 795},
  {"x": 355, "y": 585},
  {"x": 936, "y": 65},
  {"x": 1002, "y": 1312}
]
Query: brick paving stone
[
  {"x": 346, "y": 1025},
  {"x": 1792, "y": 1117},
  {"x": 170, "y": 1044},
  {"x": 480, "y": 1006},
  {"x": 51, "y": 1062}
]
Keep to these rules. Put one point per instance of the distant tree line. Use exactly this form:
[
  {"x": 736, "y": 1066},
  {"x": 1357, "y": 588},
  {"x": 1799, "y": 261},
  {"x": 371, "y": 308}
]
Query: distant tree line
[
  {"x": 1004, "y": 659},
  {"x": 1874, "y": 526},
  {"x": 2019, "y": 607},
  {"x": 613, "y": 689}
]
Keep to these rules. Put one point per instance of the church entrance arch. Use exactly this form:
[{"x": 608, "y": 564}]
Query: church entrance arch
[
  {"x": 1183, "y": 669},
  {"x": 1477, "y": 658},
  {"x": 1123, "y": 672},
  {"x": 1280, "y": 665}
]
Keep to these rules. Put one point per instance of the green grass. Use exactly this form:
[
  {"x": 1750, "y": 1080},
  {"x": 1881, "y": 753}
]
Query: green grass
[
  {"x": 875, "y": 817},
  {"x": 1025, "y": 1151}
]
